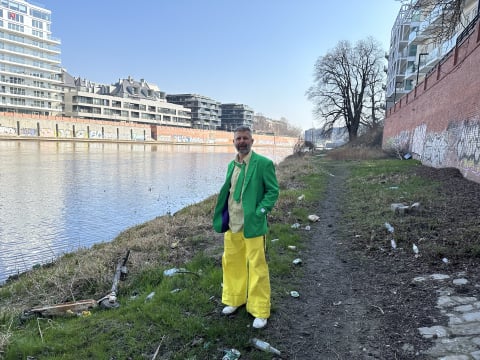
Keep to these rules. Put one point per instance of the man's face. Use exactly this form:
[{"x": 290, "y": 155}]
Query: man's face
[{"x": 243, "y": 141}]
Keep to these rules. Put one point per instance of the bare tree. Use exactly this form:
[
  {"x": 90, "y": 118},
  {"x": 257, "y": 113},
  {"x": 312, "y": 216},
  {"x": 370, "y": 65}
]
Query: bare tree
[
  {"x": 451, "y": 17},
  {"x": 345, "y": 79},
  {"x": 375, "y": 100}
]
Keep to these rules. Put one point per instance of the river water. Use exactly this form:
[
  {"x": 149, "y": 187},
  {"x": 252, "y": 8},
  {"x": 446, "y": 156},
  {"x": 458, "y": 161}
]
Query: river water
[{"x": 57, "y": 197}]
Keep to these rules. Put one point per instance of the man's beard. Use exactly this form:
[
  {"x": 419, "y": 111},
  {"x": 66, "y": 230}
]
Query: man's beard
[{"x": 245, "y": 149}]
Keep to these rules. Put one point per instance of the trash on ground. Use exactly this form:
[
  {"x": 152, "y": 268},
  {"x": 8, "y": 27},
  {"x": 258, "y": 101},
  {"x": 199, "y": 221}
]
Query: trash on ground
[
  {"x": 297, "y": 261},
  {"x": 402, "y": 209},
  {"x": 394, "y": 244},
  {"x": 150, "y": 296},
  {"x": 301, "y": 197},
  {"x": 175, "y": 290},
  {"x": 264, "y": 346},
  {"x": 294, "y": 294},
  {"x": 295, "y": 226},
  {"x": 407, "y": 156},
  {"x": 292, "y": 247},
  {"x": 415, "y": 248},
  {"x": 275, "y": 240},
  {"x": 231, "y": 354},
  {"x": 109, "y": 301},
  {"x": 445, "y": 260},
  {"x": 337, "y": 303},
  {"x": 307, "y": 228},
  {"x": 389, "y": 228},
  {"x": 313, "y": 218},
  {"x": 175, "y": 271}
]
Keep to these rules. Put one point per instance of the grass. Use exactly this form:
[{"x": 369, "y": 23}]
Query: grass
[{"x": 182, "y": 320}]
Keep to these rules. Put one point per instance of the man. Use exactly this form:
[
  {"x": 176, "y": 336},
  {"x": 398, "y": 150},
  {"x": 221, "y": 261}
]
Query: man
[{"x": 248, "y": 194}]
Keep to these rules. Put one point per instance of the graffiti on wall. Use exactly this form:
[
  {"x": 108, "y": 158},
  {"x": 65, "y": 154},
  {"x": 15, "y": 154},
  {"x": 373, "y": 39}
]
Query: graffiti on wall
[
  {"x": 5, "y": 130},
  {"x": 435, "y": 149},
  {"x": 419, "y": 139},
  {"x": 458, "y": 146},
  {"x": 400, "y": 142},
  {"x": 28, "y": 132},
  {"x": 468, "y": 144}
]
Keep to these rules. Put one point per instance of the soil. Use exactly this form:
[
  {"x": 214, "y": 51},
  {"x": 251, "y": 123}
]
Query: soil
[{"x": 362, "y": 304}]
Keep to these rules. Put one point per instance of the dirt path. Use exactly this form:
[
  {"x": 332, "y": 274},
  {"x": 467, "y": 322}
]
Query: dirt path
[{"x": 349, "y": 307}]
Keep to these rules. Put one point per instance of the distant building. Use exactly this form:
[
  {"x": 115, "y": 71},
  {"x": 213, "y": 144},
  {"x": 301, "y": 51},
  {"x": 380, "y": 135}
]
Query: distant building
[
  {"x": 127, "y": 100},
  {"x": 30, "y": 73},
  {"x": 234, "y": 115},
  {"x": 206, "y": 112},
  {"x": 412, "y": 50}
]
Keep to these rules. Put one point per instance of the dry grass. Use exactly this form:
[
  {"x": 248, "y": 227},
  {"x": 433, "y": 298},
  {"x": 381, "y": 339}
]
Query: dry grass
[{"x": 366, "y": 147}]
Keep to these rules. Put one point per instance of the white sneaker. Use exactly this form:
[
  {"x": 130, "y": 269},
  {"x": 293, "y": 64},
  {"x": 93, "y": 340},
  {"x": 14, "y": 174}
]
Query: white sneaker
[
  {"x": 229, "y": 310},
  {"x": 259, "y": 323}
]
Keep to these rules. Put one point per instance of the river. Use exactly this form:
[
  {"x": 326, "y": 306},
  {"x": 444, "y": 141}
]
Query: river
[{"x": 57, "y": 197}]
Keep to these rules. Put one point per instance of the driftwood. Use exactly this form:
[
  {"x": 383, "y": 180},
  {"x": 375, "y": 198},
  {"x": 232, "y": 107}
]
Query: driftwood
[
  {"x": 68, "y": 308},
  {"x": 76, "y": 307}
]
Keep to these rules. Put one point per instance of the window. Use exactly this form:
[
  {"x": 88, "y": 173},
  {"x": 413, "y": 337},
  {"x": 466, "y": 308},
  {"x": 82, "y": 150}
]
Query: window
[
  {"x": 37, "y": 24},
  {"x": 37, "y": 33},
  {"x": 17, "y": 91},
  {"x": 15, "y": 17},
  {"x": 15, "y": 27},
  {"x": 40, "y": 14}
]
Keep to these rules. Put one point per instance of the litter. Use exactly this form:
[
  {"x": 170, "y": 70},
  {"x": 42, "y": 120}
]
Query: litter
[
  {"x": 295, "y": 226},
  {"x": 301, "y": 197},
  {"x": 297, "y": 261},
  {"x": 313, "y": 218},
  {"x": 415, "y": 249},
  {"x": 174, "y": 271},
  {"x": 232, "y": 354},
  {"x": 292, "y": 247},
  {"x": 294, "y": 294},
  {"x": 389, "y": 227},
  {"x": 262, "y": 345}
]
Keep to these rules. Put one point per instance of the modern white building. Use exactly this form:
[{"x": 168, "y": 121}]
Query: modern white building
[
  {"x": 206, "y": 112},
  {"x": 30, "y": 72},
  {"x": 127, "y": 100},
  {"x": 413, "y": 49}
]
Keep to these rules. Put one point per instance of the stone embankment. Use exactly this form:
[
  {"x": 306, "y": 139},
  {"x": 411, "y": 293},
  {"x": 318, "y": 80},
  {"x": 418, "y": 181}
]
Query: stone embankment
[{"x": 459, "y": 339}]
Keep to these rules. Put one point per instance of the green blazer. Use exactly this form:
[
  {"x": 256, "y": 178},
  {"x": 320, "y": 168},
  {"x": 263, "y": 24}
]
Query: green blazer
[{"x": 260, "y": 193}]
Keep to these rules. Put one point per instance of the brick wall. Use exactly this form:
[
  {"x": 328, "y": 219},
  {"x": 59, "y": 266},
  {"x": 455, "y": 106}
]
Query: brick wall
[{"x": 439, "y": 121}]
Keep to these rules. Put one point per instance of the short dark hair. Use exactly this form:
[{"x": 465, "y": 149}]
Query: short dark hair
[{"x": 242, "y": 128}]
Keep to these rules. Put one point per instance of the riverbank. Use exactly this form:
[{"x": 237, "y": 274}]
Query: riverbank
[{"x": 357, "y": 294}]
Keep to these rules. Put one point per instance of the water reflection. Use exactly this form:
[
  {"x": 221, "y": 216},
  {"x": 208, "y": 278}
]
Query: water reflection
[{"x": 57, "y": 197}]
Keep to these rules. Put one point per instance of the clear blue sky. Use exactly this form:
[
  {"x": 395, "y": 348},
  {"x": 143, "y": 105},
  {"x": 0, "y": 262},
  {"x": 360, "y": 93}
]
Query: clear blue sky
[{"x": 255, "y": 52}]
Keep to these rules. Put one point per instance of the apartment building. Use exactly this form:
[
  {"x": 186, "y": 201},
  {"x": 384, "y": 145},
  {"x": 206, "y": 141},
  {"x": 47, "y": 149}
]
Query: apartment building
[
  {"x": 234, "y": 115},
  {"x": 126, "y": 100},
  {"x": 413, "y": 50},
  {"x": 206, "y": 112},
  {"x": 30, "y": 73}
]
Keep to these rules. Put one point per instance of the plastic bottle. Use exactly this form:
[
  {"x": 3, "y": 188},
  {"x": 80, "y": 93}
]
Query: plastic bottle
[{"x": 262, "y": 345}]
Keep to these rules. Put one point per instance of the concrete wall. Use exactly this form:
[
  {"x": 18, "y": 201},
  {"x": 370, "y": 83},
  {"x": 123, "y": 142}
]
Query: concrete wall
[
  {"x": 439, "y": 121},
  {"x": 39, "y": 126},
  {"x": 14, "y": 125},
  {"x": 214, "y": 137}
]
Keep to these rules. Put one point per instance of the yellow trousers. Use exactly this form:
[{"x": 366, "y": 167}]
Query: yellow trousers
[{"x": 246, "y": 279}]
